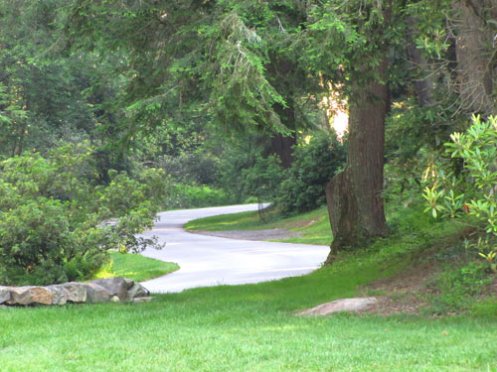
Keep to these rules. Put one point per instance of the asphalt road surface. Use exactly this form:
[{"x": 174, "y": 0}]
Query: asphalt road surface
[{"x": 209, "y": 261}]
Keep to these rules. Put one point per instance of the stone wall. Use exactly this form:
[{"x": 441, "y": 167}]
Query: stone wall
[{"x": 102, "y": 290}]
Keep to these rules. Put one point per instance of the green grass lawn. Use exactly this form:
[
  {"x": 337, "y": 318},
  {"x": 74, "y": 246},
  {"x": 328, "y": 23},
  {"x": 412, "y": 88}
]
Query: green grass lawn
[
  {"x": 135, "y": 266},
  {"x": 253, "y": 327}
]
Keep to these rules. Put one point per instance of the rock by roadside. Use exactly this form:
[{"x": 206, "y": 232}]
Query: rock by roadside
[
  {"x": 350, "y": 305},
  {"x": 102, "y": 290}
]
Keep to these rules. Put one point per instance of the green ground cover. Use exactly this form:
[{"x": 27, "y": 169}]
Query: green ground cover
[
  {"x": 135, "y": 267},
  {"x": 253, "y": 327}
]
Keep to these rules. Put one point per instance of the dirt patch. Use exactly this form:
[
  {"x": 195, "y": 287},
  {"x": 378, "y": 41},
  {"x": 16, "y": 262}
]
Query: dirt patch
[
  {"x": 407, "y": 291},
  {"x": 261, "y": 235}
]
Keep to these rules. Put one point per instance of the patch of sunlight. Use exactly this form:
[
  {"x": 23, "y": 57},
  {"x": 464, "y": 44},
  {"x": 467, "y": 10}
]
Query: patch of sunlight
[
  {"x": 103, "y": 274},
  {"x": 335, "y": 108},
  {"x": 340, "y": 123}
]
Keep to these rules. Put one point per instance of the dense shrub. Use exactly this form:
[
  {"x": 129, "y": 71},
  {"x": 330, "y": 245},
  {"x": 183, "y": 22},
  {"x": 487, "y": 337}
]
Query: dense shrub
[
  {"x": 197, "y": 196},
  {"x": 458, "y": 287},
  {"x": 315, "y": 163},
  {"x": 246, "y": 173},
  {"x": 236, "y": 157},
  {"x": 263, "y": 180},
  {"x": 52, "y": 211},
  {"x": 469, "y": 188},
  {"x": 198, "y": 167}
]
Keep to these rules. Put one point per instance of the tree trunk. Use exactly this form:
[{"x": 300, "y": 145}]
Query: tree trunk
[
  {"x": 19, "y": 142},
  {"x": 355, "y": 201},
  {"x": 475, "y": 57},
  {"x": 342, "y": 210},
  {"x": 283, "y": 145},
  {"x": 423, "y": 84}
]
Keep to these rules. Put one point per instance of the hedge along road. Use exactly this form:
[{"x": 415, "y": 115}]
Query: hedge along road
[{"x": 209, "y": 261}]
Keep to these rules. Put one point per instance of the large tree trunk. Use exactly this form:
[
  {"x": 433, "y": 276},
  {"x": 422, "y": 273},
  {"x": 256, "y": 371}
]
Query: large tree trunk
[
  {"x": 475, "y": 55},
  {"x": 355, "y": 201}
]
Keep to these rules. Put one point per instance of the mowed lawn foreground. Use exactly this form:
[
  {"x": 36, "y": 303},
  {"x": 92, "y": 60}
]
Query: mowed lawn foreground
[
  {"x": 249, "y": 328},
  {"x": 254, "y": 327}
]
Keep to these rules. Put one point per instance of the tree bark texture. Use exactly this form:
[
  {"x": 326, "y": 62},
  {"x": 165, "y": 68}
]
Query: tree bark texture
[
  {"x": 342, "y": 210},
  {"x": 355, "y": 201},
  {"x": 475, "y": 55},
  {"x": 423, "y": 84}
]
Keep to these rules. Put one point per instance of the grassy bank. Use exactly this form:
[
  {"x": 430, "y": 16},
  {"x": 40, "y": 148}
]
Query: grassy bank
[
  {"x": 135, "y": 266},
  {"x": 313, "y": 227},
  {"x": 253, "y": 327}
]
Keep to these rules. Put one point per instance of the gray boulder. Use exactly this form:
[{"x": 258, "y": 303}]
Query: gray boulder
[
  {"x": 4, "y": 295},
  {"x": 137, "y": 291},
  {"x": 96, "y": 293},
  {"x": 75, "y": 292},
  {"x": 59, "y": 294},
  {"x": 30, "y": 296},
  {"x": 344, "y": 305},
  {"x": 115, "y": 286}
]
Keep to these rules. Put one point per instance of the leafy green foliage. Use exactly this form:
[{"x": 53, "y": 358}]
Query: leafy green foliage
[
  {"x": 197, "y": 167},
  {"x": 227, "y": 63},
  {"x": 197, "y": 196},
  {"x": 353, "y": 32},
  {"x": 460, "y": 287},
  {"x": 432, "y": 36},
  {"x": 454, "y": 193},
  {"x": 52, "y": 212},
  {"x": 314, "y": 165},
  {"x": 263, "y": 179},
  {"x": 237, "y": 156},
  {"x": 242, "y": 91},
  {"x": 48, "y": 94}
]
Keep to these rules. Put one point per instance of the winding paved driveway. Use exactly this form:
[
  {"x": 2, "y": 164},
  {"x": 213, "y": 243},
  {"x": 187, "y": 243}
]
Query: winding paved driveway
[{"x": 208, "y": 260}]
